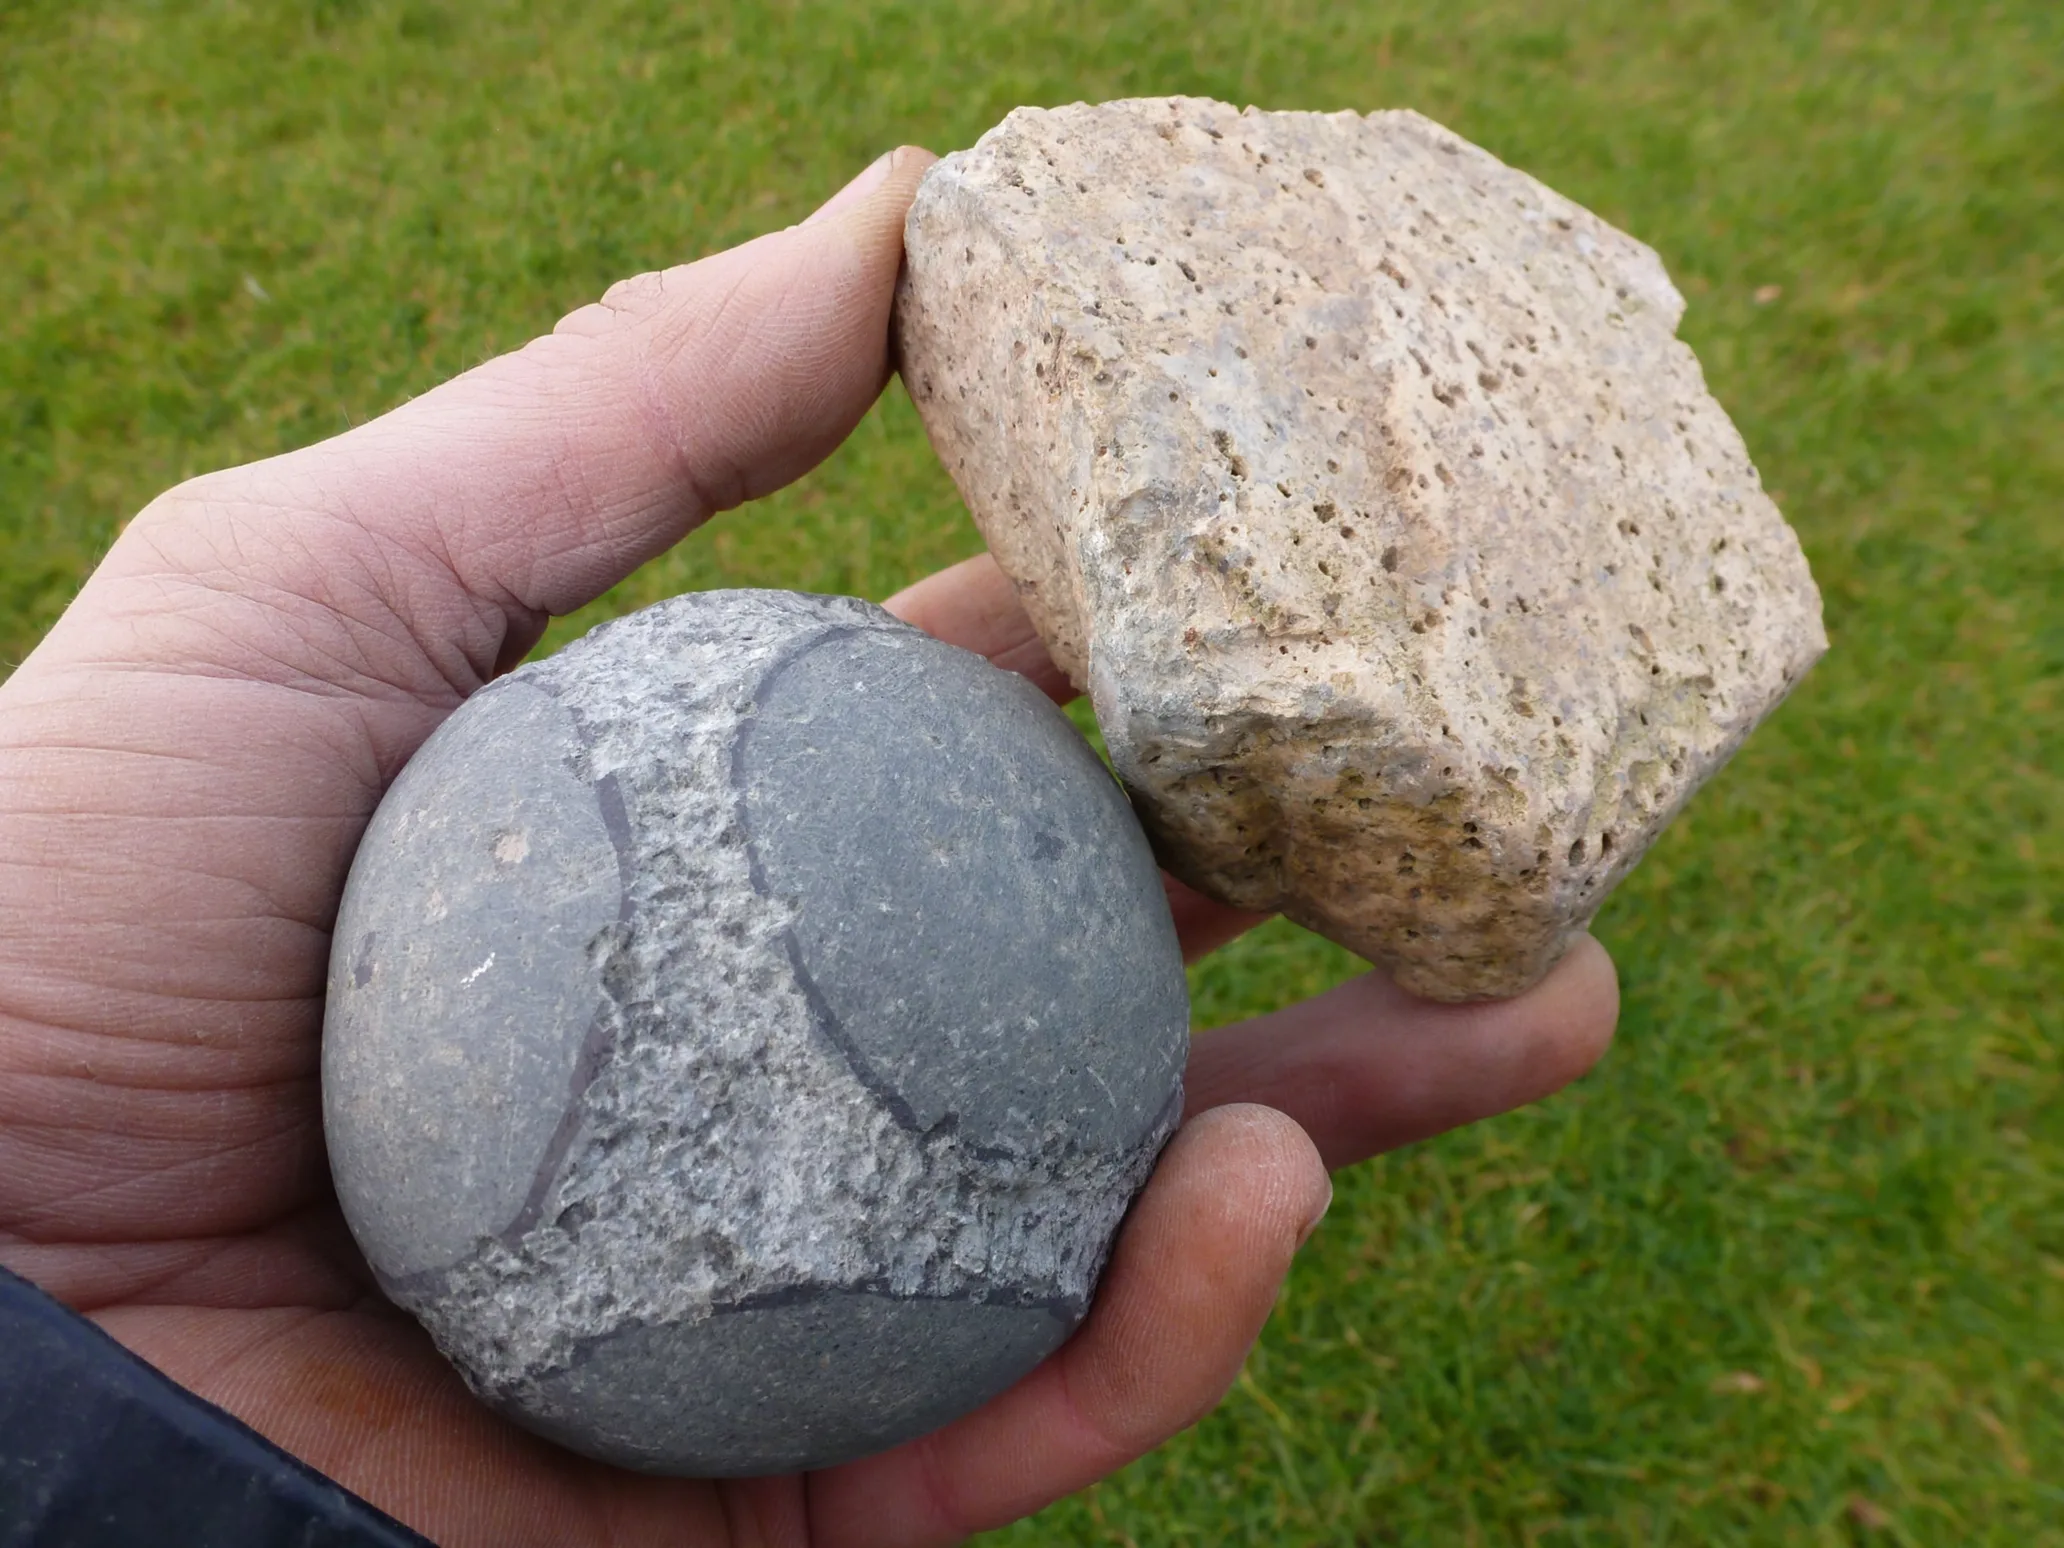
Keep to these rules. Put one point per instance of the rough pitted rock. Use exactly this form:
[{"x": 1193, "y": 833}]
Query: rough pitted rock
[
  {"x": 1362, "y": 482},
  {"x": 745, "y": 1031}
]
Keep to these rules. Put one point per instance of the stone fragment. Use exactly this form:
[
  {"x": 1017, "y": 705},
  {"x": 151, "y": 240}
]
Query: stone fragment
[
  {"x": 745, "y": 1031},
  {"x": 1362, "y": 482}
]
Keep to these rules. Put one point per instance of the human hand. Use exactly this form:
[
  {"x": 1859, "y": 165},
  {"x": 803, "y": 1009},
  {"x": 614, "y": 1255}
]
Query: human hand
[{"x": 187, "y": 762}]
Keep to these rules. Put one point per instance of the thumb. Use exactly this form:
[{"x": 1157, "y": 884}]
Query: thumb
[{"x": 527, "y": 486}]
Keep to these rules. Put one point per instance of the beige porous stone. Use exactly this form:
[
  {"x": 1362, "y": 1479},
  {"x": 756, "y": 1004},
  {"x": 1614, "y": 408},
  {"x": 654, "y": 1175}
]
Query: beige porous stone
[{"x": 1362, "y": 481}]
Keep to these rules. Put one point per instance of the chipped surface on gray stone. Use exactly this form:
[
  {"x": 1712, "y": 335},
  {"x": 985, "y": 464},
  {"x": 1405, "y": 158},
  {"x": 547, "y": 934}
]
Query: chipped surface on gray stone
[
  {"x": 737, "y": 1130},
  {"x": 1362, "y": 481}
]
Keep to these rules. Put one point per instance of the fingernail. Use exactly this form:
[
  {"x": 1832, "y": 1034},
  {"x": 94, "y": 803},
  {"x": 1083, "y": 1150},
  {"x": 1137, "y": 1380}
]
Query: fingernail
[
  {"x": 1312, "y": 1224},
  {"x": 876, "y": 174}
]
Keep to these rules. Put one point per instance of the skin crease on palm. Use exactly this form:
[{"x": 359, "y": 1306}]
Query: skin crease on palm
[{"x": 188, "y": 759}]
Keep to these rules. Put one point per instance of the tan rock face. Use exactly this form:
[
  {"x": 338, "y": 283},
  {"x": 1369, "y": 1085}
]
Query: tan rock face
[{"x": 1361, "y": 480}]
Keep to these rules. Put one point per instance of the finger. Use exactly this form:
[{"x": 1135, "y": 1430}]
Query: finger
[
  {"x": 1204, "y": 924},
  {"x": 1189, "y": 1285},
  {"x": 1366, "y": 1067},
  {"x": 973, "y": 605},
  {"x": 436, "y": 540}
]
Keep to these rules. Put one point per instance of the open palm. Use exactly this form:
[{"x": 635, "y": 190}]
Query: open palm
[{"x": 186, "y": 764}]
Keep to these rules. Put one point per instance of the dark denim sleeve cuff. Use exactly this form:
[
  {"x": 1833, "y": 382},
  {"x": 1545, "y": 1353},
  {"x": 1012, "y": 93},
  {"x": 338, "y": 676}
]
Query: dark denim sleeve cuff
[{"x": 98, "y": 1450}]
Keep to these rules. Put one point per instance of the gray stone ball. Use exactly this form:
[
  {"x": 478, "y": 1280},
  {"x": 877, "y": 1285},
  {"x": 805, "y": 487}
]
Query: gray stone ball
[{"x": 746, "y": 1029}]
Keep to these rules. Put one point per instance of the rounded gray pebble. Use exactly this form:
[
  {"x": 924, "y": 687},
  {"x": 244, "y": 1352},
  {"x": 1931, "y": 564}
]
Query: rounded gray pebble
[{"x": 746, "y": 1030}]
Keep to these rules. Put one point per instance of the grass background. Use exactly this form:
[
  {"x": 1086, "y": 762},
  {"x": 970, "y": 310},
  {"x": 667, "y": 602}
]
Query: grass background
[{"x": 1789, "y": 1268}]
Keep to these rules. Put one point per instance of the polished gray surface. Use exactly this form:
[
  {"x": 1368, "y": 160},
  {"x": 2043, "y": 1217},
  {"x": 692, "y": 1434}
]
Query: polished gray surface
[
  {"x": 463, "y": 981},
  {"x": 813, "y": 1381},
  {"x": 975, "y": 905}
]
